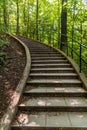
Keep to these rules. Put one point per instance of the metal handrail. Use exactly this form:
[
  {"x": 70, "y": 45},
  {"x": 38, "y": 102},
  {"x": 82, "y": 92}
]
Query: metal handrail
[
  {"x": 75, "y": 41},
  {"x": 74, "y": 51},
  {"x": 78, "y": 55},
  {"x": 81, "y": 59}
]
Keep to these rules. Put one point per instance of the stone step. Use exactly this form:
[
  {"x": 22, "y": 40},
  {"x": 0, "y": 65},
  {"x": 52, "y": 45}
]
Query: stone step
[
  {"x": 55, "y": 82},
  {"x": 53, "y": 90},
  {"x": 43, "y": 91},
  {"x": 44, "y": 48},
  {"x": 50, "y": 121},
  {"x": 44, "y": 52},
  {"x": 45, "y": 55},
  {"x": 53, "y": 76},
  {"x": 47, "y": 58},
  {"x": 53, "y": 97},
  {"x": 40, "y": 50},
  {"x": 55, "y": 94},
  {"x": 49, "y": 61},
  {"x": 53, "y": 108},
  {"x": 62, "y": 65},
  {"x": 27, "y": 102},
  {"x": 52, "y": 70}
]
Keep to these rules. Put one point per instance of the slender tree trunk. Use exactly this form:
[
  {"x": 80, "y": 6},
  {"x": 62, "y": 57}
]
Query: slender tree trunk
[
  {"x": 73, "y": 22},
  {"x": 24, "y": 20},
  {"x": 5, "y": 15},
  {"x": 37, "y": 3},
  {"x": 28, "y": 19},
  {"x": 63, "y": 45},
  {"x": 59, "y": 22},
  {"x": 17, "y": 25}
]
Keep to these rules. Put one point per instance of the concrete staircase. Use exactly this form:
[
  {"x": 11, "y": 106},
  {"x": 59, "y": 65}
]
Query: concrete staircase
[{"x": 53, "y": 98}]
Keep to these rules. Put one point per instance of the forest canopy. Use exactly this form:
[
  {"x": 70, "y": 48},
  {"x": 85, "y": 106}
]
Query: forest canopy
[{"x": 20, "y": 16}]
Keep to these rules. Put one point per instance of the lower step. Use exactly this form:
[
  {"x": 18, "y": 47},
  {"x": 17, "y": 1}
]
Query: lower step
[
  {"x": 50, "y": 121},
  {"x": 56, "y": 94},
  {"x": 51, "y": 66},
  {"x": 47, "y": 128},
  {"x": 55, "y": 82},
  {"x": 45, "y": 58},
  {"x": 53, "y": 76},
  {"x": 45, "y": 55},
  {"x": 49, "y": 61},
  {"x": 53, "y": 109},
  {"x": 53, "y": 104},
  {"x": 43, "y": 89},
  {"x": 52, "y": 70}
]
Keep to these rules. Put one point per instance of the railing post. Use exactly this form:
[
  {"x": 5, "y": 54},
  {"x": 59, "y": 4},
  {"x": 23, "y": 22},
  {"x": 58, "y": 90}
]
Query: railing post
[
  {"x": 67, "y": 46},
  {"x": 72, "y": 44},
  {"x": 80, "y": 58},
  {"x": 81, "y": 50}
]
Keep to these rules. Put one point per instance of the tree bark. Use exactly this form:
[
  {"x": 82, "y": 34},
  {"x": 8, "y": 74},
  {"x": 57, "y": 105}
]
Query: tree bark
[
  {"x": 17, "y": 25},
  {"x": 37, "y": 19},
  {"x": 59, "y": 23},
  {"x": 28, "y": 19},
  {"x": 24, "y": 20},
  {"x": 5, "y": 15},
  {"x": 63, "y": 44}
]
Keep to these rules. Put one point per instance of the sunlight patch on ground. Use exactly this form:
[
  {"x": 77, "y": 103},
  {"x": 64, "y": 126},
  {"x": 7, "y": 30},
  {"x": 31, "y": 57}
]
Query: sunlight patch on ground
[
  {"x": 41, "y": 103},
  {"x": 80, "y": 116},
  {"x": 22, "y": 104},
  {"x": 74, "y": 102},
  {"x": 33, "y": 124},
  {"x": 59, "y": 89}
]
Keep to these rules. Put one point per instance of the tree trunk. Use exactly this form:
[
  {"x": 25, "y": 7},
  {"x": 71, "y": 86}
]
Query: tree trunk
[
  {"x": 73, "y": 22},
  {"x": 59, "y": 23},
  {"x": 17, "y": 25},
  {"x": 63, "y": 44},
  {"x": 5, "y": 15},
  {"x": 28, "y": 19},
  {"x": 24, "y": 20},
  {"x": 37, "y": 19}
]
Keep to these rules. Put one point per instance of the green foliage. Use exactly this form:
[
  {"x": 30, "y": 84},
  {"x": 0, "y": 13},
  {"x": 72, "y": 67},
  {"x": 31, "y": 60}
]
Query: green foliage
[
  {"x": 49, "y": 21},
  {"x": 3, "y": 42}
]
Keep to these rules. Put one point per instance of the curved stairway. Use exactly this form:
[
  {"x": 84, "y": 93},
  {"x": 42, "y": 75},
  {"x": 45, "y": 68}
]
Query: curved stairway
[{"x": 53, "y": 98}]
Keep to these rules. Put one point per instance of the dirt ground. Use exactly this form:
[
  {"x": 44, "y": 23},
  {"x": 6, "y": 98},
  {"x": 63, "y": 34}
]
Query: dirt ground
[{"x": 10, "y": 73}]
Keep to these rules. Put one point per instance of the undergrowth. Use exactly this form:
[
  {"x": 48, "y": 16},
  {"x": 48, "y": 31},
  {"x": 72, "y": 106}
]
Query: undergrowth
[{"x": 3, "y": 43}]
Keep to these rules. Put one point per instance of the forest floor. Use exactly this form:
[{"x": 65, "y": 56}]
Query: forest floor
[{"x": 10, "y": 73}]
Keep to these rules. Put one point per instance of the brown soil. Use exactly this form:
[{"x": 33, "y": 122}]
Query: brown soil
[{"x": 10, "y": 73}]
